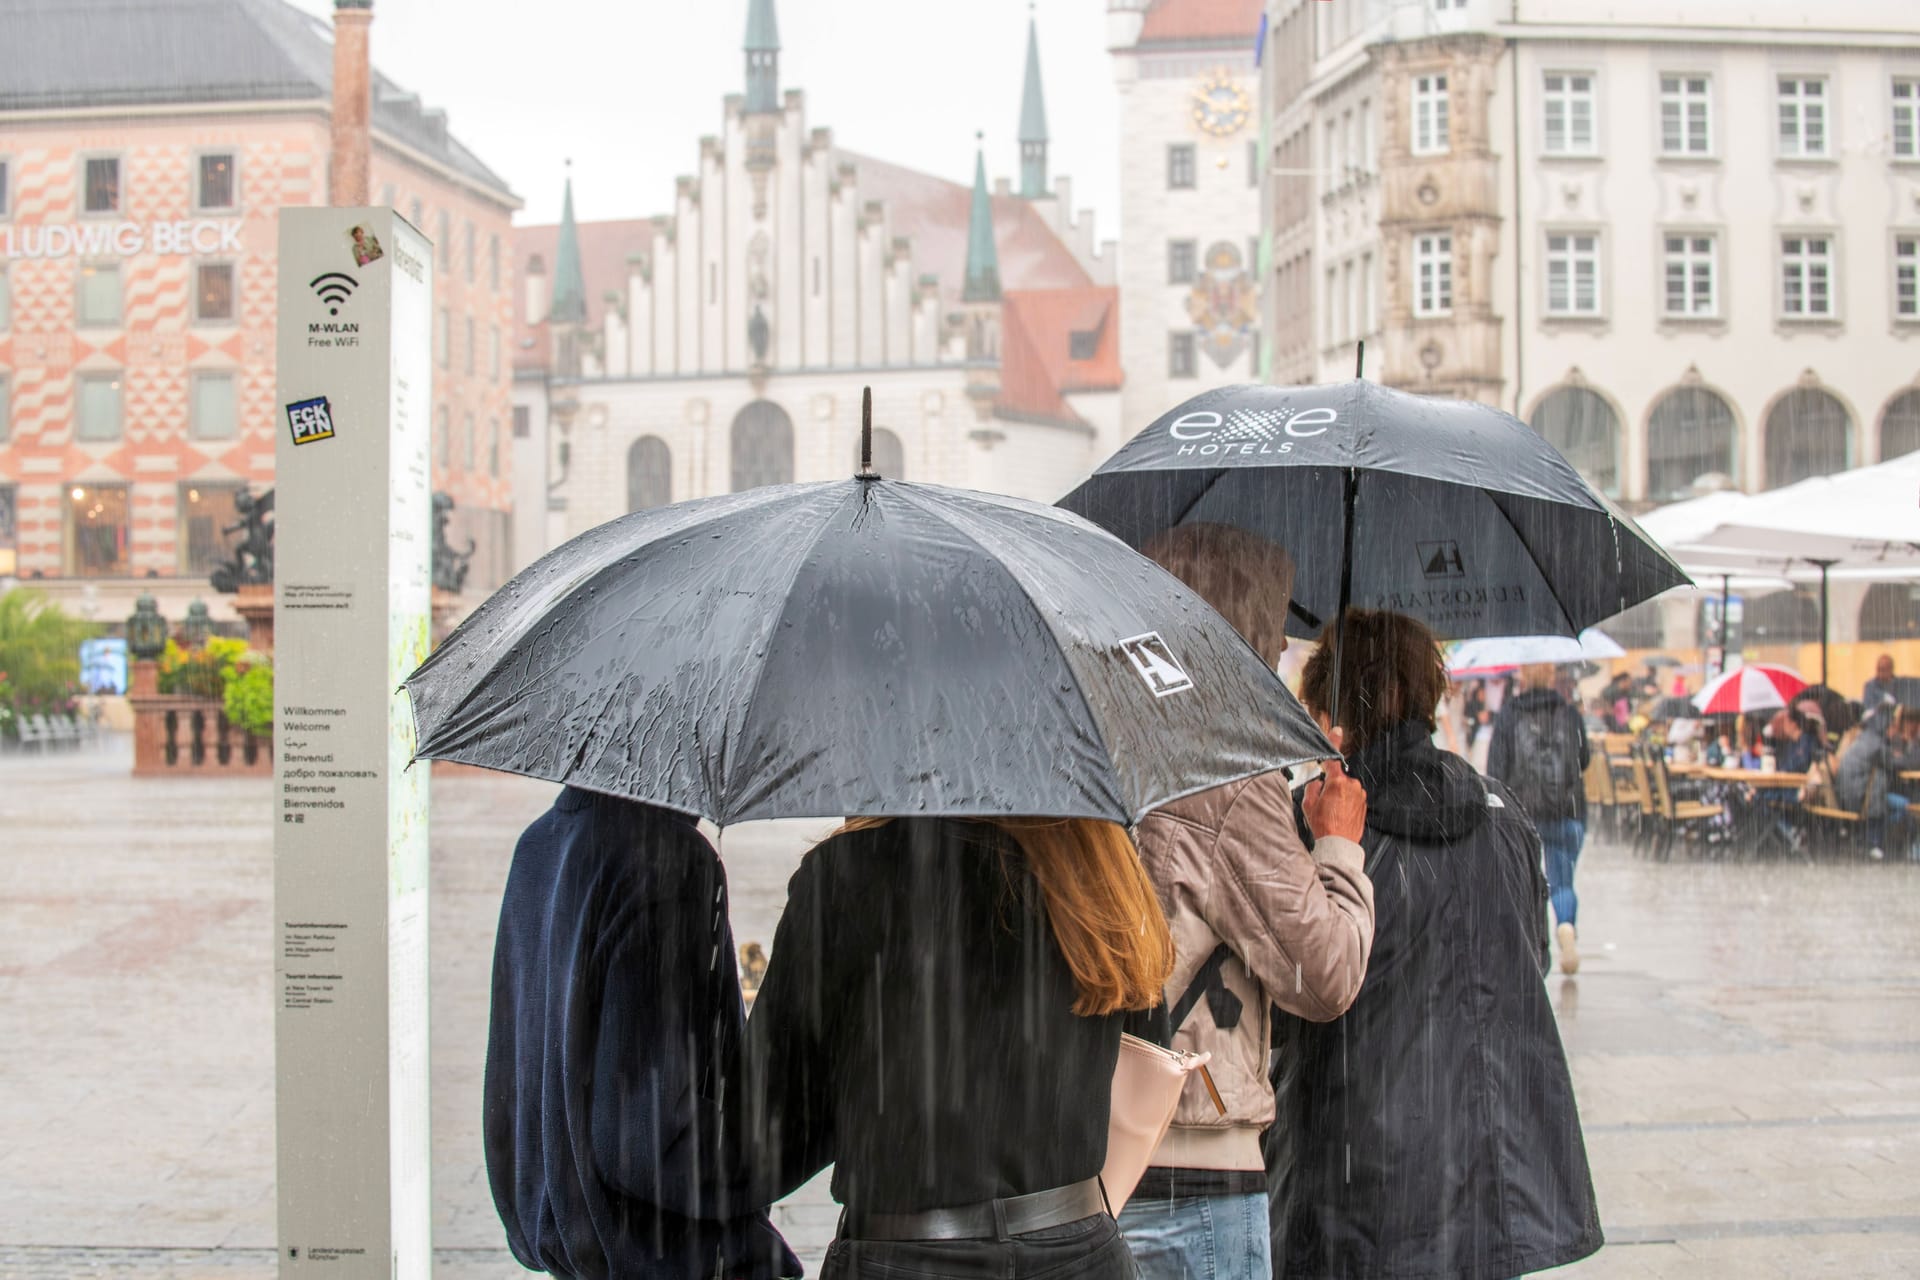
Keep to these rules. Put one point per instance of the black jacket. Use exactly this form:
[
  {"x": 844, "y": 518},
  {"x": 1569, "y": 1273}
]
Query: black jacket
[
  {"x": 915, "y": 1029},
  {"x": 615, "y": 1030},
  {"x": 1560, "y": 722},
  {"x": 1431, "y": 1131}
]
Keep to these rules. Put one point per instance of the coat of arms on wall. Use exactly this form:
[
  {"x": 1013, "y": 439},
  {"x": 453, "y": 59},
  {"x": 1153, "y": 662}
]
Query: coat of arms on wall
[{"x": 1224, "y": 305}]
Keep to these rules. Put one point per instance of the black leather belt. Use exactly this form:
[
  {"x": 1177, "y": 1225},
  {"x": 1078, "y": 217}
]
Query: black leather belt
[{"x": 987, "y": 1220}]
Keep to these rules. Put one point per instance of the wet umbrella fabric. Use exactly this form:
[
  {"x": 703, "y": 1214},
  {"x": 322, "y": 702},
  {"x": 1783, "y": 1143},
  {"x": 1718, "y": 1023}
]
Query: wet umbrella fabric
[
  {"x": 1463, "y": 517},
  {"x": 1756, "y": 686},
  {"x": 859, "y": 647}
]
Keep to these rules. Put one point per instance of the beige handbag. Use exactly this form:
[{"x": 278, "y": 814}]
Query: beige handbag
[{"x": 1147, "y": 1082}]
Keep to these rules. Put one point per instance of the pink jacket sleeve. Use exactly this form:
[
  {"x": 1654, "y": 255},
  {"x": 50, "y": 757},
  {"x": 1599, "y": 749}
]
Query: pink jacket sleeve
[{"x": 1302, "y": 922}]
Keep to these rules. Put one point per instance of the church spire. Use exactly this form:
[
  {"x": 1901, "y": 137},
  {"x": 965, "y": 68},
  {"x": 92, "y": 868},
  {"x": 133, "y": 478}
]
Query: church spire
[
  {"x": 1033, "y": 122},
  {"x": 983, "y": 257},
  {"x": 569, "y": 305},
  {"x": 762, "y": 47}
]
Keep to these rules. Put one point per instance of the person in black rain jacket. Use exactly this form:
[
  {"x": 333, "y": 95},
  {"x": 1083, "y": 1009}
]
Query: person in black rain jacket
[
  {"x": 616, "y": 1029},
  {"x": 1431, "y": 1130}
]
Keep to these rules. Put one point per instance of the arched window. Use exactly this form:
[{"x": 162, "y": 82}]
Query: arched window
[
  {"x": 649, "y": 474},
  {"x": 1583, "y": 427},
  {"x": 762, "y": 442},
  {"x": 1806, "y": 436},
  {"x": 1900, "y": 426},
  {"x": 1783, "y": 617},
  {"x": 1891, "y": 611},
  {"x": 889, "y": 455},
  {"x": 1690, "y": 438}
]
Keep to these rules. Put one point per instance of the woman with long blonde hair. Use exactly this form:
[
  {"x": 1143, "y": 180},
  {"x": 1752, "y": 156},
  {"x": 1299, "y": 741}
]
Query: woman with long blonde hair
[{"x": 939, "y": 1021}]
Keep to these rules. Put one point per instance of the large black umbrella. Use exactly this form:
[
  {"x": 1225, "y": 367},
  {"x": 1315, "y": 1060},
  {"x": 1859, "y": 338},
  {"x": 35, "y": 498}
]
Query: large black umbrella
[
  {"x": 860, "y": 647},
  {"x": 1447, "y": 510}
]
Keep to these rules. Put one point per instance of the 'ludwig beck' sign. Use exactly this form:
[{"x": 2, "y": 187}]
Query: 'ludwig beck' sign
[{"x": 121, "y": 239}]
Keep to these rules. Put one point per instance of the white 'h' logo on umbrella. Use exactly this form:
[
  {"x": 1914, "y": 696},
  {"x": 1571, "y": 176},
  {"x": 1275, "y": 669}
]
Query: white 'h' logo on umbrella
[{"x": 1156, "y": 664}]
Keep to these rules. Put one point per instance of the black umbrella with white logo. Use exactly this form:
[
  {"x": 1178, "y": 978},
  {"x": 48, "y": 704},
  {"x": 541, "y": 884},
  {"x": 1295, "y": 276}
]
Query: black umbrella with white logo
[
  {"x": 1446, "y": 510},
  {"x": 858, "y": 647}
]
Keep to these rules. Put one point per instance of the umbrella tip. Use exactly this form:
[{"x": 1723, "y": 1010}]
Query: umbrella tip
[
  {"x": 866, "y": 471},
  {"x": 1360, "y": 360}
]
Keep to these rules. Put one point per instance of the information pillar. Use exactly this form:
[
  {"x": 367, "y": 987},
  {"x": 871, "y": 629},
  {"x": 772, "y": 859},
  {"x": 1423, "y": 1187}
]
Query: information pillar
[{"x": 351, "y": 601}]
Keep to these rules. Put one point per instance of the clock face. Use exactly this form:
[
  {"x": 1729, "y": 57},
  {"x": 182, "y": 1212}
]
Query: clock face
[{"x": 1220, "y": 106}]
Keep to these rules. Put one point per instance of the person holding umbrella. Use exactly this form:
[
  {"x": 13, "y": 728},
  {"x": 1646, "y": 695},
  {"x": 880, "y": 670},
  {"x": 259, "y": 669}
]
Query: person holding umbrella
[
  {"x": 1431, "y": 1130},
  {"x": 1259, "y": 920},
  {"x": 1540, "y": 752}
]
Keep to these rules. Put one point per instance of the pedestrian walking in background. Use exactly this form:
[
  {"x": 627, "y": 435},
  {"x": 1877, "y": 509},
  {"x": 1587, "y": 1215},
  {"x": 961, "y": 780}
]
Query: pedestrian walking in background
[
  {"x": 615, "y": 1031},
  {"x": 1431, "y": 1131},
  {"x": 1540, "y": 751},
  {"x": 940, "y": 1020},
  {"x": 1257, "y": 920}
]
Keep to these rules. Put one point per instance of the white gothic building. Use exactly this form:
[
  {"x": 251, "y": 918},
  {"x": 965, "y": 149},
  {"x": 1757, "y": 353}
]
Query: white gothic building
[
  {"x": 724, "y": 344},
  {"x": 1189, "y": 198}
]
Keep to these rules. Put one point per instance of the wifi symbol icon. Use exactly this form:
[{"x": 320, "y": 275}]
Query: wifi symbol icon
[{"x": 333, "y": 288}]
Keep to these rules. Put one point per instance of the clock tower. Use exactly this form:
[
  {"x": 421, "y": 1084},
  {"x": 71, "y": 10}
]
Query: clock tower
[{"x": 1189, "y": 198}]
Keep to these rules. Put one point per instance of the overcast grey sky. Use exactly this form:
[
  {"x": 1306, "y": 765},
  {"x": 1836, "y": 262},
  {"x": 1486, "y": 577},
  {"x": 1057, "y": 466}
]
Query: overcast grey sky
[{"x": 627, "y": 87}]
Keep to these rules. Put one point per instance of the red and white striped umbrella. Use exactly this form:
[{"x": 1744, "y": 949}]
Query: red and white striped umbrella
[{"x": 1754, "y": 687}]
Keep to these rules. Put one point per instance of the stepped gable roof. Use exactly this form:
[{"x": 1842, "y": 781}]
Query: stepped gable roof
[
  {"x": 604, "y": 250},
  {"x": 933, "y": 213},
  {"x": 1038, "y": 368},
  {"x": 126, "y": 53},
  {"x": 1191, "y": 22}
]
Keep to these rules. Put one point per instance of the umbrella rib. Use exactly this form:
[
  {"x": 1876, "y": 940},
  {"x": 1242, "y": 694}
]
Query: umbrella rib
[
  {"x": 766, "y": 659},
  {"x": 1527, "y": 547},
  {"x": 951, "y": 520}
]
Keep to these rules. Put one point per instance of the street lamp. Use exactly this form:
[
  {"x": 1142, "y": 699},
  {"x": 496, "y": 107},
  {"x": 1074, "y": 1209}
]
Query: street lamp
[
  {"x": 198, "y": 626},
  {"x": 146, "y": 630}
]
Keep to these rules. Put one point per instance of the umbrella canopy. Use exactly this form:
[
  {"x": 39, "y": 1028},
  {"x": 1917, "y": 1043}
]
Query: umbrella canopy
[
  {"x": 1447, "y": 510},
  {"x": 1754, "y": 687},
  {"x": 860, "y": 647},
  {"x": 1494, "y": 654}
]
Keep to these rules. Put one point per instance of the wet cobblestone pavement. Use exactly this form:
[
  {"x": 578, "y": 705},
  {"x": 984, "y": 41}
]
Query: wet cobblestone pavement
[{"x": 1745, "y": 1039}]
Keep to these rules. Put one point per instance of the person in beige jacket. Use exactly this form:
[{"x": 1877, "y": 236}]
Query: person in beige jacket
[{"x": 1258, "y": 920}]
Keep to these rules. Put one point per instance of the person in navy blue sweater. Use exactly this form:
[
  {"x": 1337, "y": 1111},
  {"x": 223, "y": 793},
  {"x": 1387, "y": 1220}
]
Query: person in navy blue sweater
[{"x": 615, "y": 1035}]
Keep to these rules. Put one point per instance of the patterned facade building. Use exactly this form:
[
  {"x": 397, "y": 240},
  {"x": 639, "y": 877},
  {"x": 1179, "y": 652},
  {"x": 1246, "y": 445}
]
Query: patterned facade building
[
  {"x": 138, "y": 290},
  {"x": 724, "y": 343},
  {"x": 1190, "y": 197},
  {"x": 1683, "y": 245}
]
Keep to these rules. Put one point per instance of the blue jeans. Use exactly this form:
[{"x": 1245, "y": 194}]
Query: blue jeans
[
  {"x": 1090, "y": 1249},
  {"x": 1896, "y": 814},
  {"x": 1200, "y": 1237},
  {"x": 1560, "y": 841}
]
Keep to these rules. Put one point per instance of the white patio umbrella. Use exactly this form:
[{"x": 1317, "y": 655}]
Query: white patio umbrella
[
  {"x": 1493, "y": 654},
  {"x": 1865, "y": 522}
]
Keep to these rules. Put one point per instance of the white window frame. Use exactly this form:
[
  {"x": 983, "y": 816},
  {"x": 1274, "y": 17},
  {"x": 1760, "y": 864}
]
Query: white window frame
[
  {"x": 1432, "y": 115},
  {"x": 193, "y": 284},
  {"x": 1906, "y": 273},
  {"x": 80, "y": 292},
  {"x": 1432, "y": 273},
  {"x": 1364, "y": 125},
  {"x": 1689, "y": 257},
  {"x": 1569, "y": 99},
  {"x": 1798, "y": 266},
  {"x": 81, "y": 160},
  {"x": 1369, "y": 314},
  {"x": 195, "y": 427},
  {"x": 1184, "y": 341},
  {"x": 1806, "y": 108},
  {"x": 1684, "y": 102},
  {"x": 1904, "y": 97},
  {"x": 1331, "y": 336},
  {"x": 1566, "y": 255},
  {"x": 199, "y": 193},
  {"x": 80, "y": 380}
]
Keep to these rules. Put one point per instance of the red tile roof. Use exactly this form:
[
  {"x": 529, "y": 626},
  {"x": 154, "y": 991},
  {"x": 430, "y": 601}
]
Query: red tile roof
[
  {"x": 1189, "y": 21},
  {"x": 1037, "y": 366},
  {"x": 604, "y": 250}
]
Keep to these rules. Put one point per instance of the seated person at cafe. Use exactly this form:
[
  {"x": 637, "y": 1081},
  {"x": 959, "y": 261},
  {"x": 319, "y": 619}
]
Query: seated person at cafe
[{"x": 1863, "y": 780}]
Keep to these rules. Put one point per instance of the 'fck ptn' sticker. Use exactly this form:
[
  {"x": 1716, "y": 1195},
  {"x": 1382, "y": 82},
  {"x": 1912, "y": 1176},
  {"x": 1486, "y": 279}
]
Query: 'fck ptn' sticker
[
  {"x": 1156, "y": 664},
  {"x": 310, "y": 420}
]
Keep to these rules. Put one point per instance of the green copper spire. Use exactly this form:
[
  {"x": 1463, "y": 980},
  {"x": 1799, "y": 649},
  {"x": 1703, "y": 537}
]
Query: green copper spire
[
  {"x": 983, "y": 258},
  {"x": 569, "y": 285},
  {"x": 763, "y": 57},
  {"x": 1033, "y": 123}
]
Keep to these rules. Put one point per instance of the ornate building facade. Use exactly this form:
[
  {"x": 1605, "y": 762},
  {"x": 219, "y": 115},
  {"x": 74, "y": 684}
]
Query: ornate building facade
[
  {"x": 1189, "y": 197},
  {"x": 1684, "y": 247},
  {"x": 138, "y": 243},
  {"x": 724, "y": 344}
]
